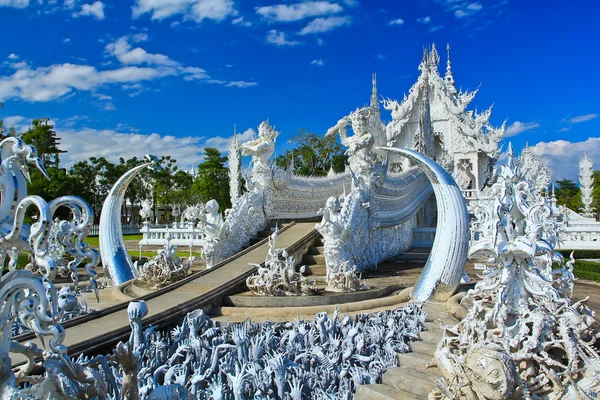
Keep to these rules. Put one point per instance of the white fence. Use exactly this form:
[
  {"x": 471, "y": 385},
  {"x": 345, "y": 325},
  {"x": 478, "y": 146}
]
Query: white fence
[
  {"x": 181, "y": 234},
  {"x": 126, "y": 229}
]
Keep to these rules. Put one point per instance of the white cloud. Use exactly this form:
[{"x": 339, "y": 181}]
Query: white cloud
[
  {"x": 95, "y": 10},
  {"x": 240, "y": 21},
  {"x": 125, "y": 141},
  {"x": 66, "y": 40},
  {"x": 320, "y": 63},
  {"x": 518, "y": 127},
  {"x": 563, "y": 156},
  {"x": 123, "y": 51},
  {"x": 583, "y": 118},
  {"x": 50, "y": 83},
  {"x": 279, "y": 38},
  {"x": 298, "y": 11},
  {"x": 351, "y": 3},
  {"x": 321, "y": 25},
  {"x": 435, "y": 28},
  {"x": 424, "y": 20},
  {"x": 398, "y": 21},
  {"x": 58, "y": 80},
  {"x": 69, "y": 4},
  {"x": 13, "y": 56},
  {"x": 194, "y": 10},
  {"x": 222, "y": 143},
  {"x": 320, "y": 42},
  {"x": 241, "y": 84},
  {"x": 466, "y": 10},
  {"x": 14, "y": 3},
  {"x": 20, "y": 123}
]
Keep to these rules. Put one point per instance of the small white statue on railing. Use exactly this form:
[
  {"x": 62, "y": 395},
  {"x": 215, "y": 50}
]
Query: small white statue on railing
[
  {"x": 146, "y": 210},
  {"x": 166, "y": 267},
  {"x": 279, "y": 277},
  {"x": 193, "y": 214},
  {"x": 345, "y": 280}
]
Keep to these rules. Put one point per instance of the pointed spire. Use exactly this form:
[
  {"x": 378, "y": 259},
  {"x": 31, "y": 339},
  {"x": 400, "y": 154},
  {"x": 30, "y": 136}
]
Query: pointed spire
[
  {"x": 374, "y": 99},
  {"x": 449, "y": 77}
]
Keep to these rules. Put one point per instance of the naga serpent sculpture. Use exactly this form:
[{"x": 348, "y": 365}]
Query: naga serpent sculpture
[
  {"x": 115, "y": 258},
  {"x": 446, "y": 263}
]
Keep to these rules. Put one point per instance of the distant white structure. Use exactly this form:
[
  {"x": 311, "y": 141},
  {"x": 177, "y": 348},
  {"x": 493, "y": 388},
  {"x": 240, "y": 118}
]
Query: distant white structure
[
  {"x": 433, "y": 120},
  {"x": 534, "y": 170},
  {"x": 586, "y": 184}
]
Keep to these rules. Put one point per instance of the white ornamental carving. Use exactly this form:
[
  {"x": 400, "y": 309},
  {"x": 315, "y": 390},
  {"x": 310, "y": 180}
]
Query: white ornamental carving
[
  {"x": 279, "y": 277},
  {"x": 523, "y": 337}
]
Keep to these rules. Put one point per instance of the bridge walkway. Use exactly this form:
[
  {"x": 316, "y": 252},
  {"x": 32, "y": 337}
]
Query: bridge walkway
[{"x": 99, "y": 332}]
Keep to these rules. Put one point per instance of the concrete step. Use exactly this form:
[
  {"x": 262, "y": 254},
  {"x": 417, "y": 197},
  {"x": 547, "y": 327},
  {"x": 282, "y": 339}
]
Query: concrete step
[
  {"x": 317, "y": 269},
  {"x": 426, "y": 348},
  {"x": 383, "y": 392},
  {"x": 431, "y": 336},
  {"x": 411, "y": 380},
  {"x": 413, "y": 360},
  {"x": 314, "y": 250},
  {"x": 310, "y": 259}
]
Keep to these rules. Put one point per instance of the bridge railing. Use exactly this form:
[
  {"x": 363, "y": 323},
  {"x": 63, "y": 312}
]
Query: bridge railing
[
  {"x": 181, "y": 234},
  {"x": 126, "y": 229}
]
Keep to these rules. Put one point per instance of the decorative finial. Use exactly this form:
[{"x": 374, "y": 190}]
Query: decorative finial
[
  {"x": 449, "y": 77},
  {"x": 374, "y": 100}
]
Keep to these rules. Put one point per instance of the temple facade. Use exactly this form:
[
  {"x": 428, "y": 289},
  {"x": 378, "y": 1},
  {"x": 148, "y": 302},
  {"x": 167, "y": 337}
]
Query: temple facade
[{"x": 433, "y": 119}]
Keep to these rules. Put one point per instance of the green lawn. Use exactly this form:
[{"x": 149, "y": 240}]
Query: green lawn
[{"x": 95, "y": 241}]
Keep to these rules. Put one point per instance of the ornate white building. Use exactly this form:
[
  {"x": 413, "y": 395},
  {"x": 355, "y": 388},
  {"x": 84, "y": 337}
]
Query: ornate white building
[{"x": 433, "y": 119}]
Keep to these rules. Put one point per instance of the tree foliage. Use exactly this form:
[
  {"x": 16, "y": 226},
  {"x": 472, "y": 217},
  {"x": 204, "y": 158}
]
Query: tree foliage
[
  {"x": 213, "y": 179},
  {"x": 313, "y": 155},
  {"x": 568, "y": 193}
]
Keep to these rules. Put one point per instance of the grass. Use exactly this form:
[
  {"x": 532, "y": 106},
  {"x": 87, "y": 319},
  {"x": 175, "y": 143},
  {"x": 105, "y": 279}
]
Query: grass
[{"x": 95, "y": 240}]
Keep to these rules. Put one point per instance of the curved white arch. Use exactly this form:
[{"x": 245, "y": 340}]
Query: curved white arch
[
  {"x": 115, "y": 258},
  {"x": 446, "y": 263}
]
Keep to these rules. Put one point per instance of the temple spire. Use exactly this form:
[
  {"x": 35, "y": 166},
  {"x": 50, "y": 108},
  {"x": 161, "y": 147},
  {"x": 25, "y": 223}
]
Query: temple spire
[
  {"x": 374, "y": 97},
  {"x": 449, "y": 77}
]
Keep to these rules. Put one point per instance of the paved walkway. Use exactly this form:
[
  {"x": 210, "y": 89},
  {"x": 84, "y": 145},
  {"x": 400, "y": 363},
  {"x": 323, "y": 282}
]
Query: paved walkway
[{"x": 78, "y": 335}]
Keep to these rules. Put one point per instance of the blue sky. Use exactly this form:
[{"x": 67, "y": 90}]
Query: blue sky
[{"x": 122, "y": 78}]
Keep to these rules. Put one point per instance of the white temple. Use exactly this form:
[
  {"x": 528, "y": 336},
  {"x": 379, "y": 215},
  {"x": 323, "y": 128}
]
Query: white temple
[{"x": 433, "y": 120}]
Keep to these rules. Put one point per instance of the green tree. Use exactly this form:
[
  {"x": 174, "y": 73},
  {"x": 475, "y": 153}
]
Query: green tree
[
  {"x": 567, "y": 193},
  {"x": 313, "y": 155},
  {"x": 213, "y": 179},
  {"x": 43, "y": 137}
]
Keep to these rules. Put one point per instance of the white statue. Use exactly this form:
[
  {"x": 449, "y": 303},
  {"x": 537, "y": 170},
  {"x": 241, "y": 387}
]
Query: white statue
[
  {"x": 235, "y": 165},
  {"x": 586, "y": 183},
  {"x": 534, "y": 170},
  {"x": 212, "y": 226},
  {"x": 360, "y": 153},
  {"x": 193, "y": 213},
  {"x": 146, "y": 210},
  {"x": 332, "y": 228},
  {"x": 279, "y": 277},
  {"x": 165, "y": 268},
  {"x": 345, "y": 280},
  {"x": 522, "y": 336}
]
